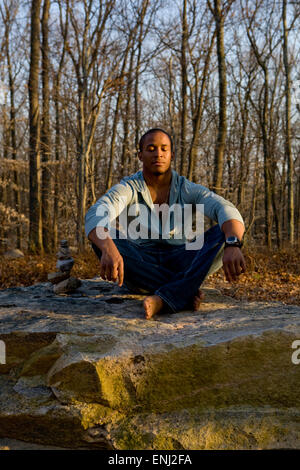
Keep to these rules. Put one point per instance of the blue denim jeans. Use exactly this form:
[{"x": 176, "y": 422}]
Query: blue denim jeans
[{"x": 172, "y": 272}]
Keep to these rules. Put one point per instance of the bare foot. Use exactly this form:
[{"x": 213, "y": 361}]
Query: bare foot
[
  {"x": 198, "y": 299},
  {"x": 152, "y": 305}
]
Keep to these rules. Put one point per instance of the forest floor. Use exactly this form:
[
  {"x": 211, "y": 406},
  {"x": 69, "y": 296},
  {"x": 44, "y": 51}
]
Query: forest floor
[{"x": 270, "y": 276}]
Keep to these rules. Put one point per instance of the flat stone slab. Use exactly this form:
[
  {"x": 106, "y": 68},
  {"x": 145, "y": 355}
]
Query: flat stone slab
[
  {"x": 89, "y": 361},
  {"x": 13, "y": 444}
]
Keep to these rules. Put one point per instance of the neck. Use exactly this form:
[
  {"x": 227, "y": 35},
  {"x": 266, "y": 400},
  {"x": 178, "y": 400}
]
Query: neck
[{"x": 157, "y": 181}]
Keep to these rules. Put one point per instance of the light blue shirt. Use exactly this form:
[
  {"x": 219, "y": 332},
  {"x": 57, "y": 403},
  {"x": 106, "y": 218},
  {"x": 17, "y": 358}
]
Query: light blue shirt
[{"x": 131, "y": 197}]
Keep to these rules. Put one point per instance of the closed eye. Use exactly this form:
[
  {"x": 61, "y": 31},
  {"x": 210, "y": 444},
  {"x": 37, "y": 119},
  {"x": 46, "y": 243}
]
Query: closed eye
[{"x": 151, "y": 148}]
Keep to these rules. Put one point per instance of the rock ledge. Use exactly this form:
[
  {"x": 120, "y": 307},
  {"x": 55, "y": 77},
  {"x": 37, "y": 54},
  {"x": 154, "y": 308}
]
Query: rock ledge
[{"x": 86, "y": 370}]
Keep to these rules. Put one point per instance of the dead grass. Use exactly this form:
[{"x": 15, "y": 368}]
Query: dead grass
[
  {"x": 34, "y": 268},
  {"x": 269, "y": 276}
]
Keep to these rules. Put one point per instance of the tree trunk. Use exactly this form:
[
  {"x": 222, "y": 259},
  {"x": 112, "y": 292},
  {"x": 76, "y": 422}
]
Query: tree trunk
[
  {"x": 85, "y": 53},
  {"x": 199, "y": 112},
  {"x": 136, "y": 84},
  {"x": 81, "y": 169},
  {"x": 267, "y": 161},
  {"x": 125, "y": 146},
  {"x": 35, "y": 213},
  {"x": 288, "y": 147},
  {"x": 251, "y": 219},
  {"x": 104, "y": 151},
  {"x": 263, "y": 113},
  {"x": 222, "y": 128},
  {"x": 13, "y": 140},
  {"x": 115, "y": 122},
  {"x": 297, "y": 211},
  {"x": 243, "y": 102},
  {"x": 64, "y": 31},
  {"x": 171, "y": 111},
  {"x": 4, "y": 196},
  {"x": 45, "y": 135},
  {"x": 136, "y": 100},
  {"x": 184, "y": 97},
  {"x": 57, "y": 160}
]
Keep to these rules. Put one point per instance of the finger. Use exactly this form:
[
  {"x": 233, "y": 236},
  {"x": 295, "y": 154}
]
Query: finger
[
  {"x": 238, "y": 268},
  {"x": 102, "y": 270},
  {"x": 114, "y": 273},
  {"x": 121, "y": 273},
  {"x": 243, "y": 265},
  {"x": 108, "y": 273},
  {"x": 231, "y": 268},
  {"x": 227, "y": 273}
]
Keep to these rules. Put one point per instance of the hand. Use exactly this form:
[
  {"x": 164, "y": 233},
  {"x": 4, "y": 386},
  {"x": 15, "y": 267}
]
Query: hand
[
  {"x": 111, "y": 264},
  {"x": 233, "y": 263}
]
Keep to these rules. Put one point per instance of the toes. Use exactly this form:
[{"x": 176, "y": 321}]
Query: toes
[
  {"x": 197, "y": 302},
  {"x": 147, "y": 308},
  {"x": 200, "y": 293}
]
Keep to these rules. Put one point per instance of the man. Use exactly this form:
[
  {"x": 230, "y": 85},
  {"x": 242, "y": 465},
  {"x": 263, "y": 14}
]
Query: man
[{"x": 163, "y": 267}]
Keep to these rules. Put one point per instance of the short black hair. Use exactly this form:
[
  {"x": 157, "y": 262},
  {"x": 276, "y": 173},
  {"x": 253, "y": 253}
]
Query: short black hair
[{"x": 152, "y": 131}]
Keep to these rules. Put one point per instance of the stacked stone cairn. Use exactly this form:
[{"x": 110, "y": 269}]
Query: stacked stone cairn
[{"x": 62, "y": 282}]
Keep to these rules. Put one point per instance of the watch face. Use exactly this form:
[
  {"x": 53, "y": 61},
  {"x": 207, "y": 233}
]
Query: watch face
[{"x": 231, "y": 240}]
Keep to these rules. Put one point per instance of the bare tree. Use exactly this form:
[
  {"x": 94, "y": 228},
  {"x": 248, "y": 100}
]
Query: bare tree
[
  {"x": 45, "y": 133},
  {"x": 64, "y": 23},
  {"x": 87, "y": 46},
  {"x": 184, "y": 96},
  {"x": 263, "y": 54},
  {"x": 117, "y": 115},
  {"x": 133, "y": 21},
  {"x": 219, "y": 11},
  {"x": 143, "y": 31},
  {"x": 8, "y": 14},
  {"x": 197, "y": 115},
  {"x": 288, "y": 143},
  {"x": 242, "y": 73},
  {"x": 111, "y": 68},
  {"x": 35, "y": 212}
]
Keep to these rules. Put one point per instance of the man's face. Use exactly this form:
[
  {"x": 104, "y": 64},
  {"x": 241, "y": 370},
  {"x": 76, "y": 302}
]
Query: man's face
[{"x": 156, "y": 154}]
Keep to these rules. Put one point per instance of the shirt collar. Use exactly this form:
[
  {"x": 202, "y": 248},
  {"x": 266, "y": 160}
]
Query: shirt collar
[{"x": 144, "y": 190}]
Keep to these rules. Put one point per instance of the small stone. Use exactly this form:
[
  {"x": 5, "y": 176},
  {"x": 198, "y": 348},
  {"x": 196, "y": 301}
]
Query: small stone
[
  {"x": 65, "y": 265},
  {"x": 66, "y": 286},
  {"x": 55, "y": 278},
  {"x": 32, "y": 387},
  {"x": 64, "y": 252},
  {"x": 62, "y": 255},
  {"x": 13, "y": 254}
]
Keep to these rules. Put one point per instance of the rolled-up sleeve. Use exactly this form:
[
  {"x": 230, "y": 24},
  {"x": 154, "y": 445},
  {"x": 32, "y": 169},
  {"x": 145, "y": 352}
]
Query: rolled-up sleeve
[
  {"x": 108, "y": 207},
  {"x": 215, "y": 207}
]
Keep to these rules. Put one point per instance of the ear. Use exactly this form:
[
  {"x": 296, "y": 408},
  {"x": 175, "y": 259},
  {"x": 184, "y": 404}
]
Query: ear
[
  {"x": 140, "y": 156},
  {"x": 172, "y": 155}
]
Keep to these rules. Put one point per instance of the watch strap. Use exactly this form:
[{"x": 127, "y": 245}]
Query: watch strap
[{"x": 233, "y": 241}]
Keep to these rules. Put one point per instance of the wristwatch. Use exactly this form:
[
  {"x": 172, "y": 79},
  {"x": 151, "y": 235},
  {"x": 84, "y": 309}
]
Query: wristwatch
[{"x": 233, "y": 241}]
